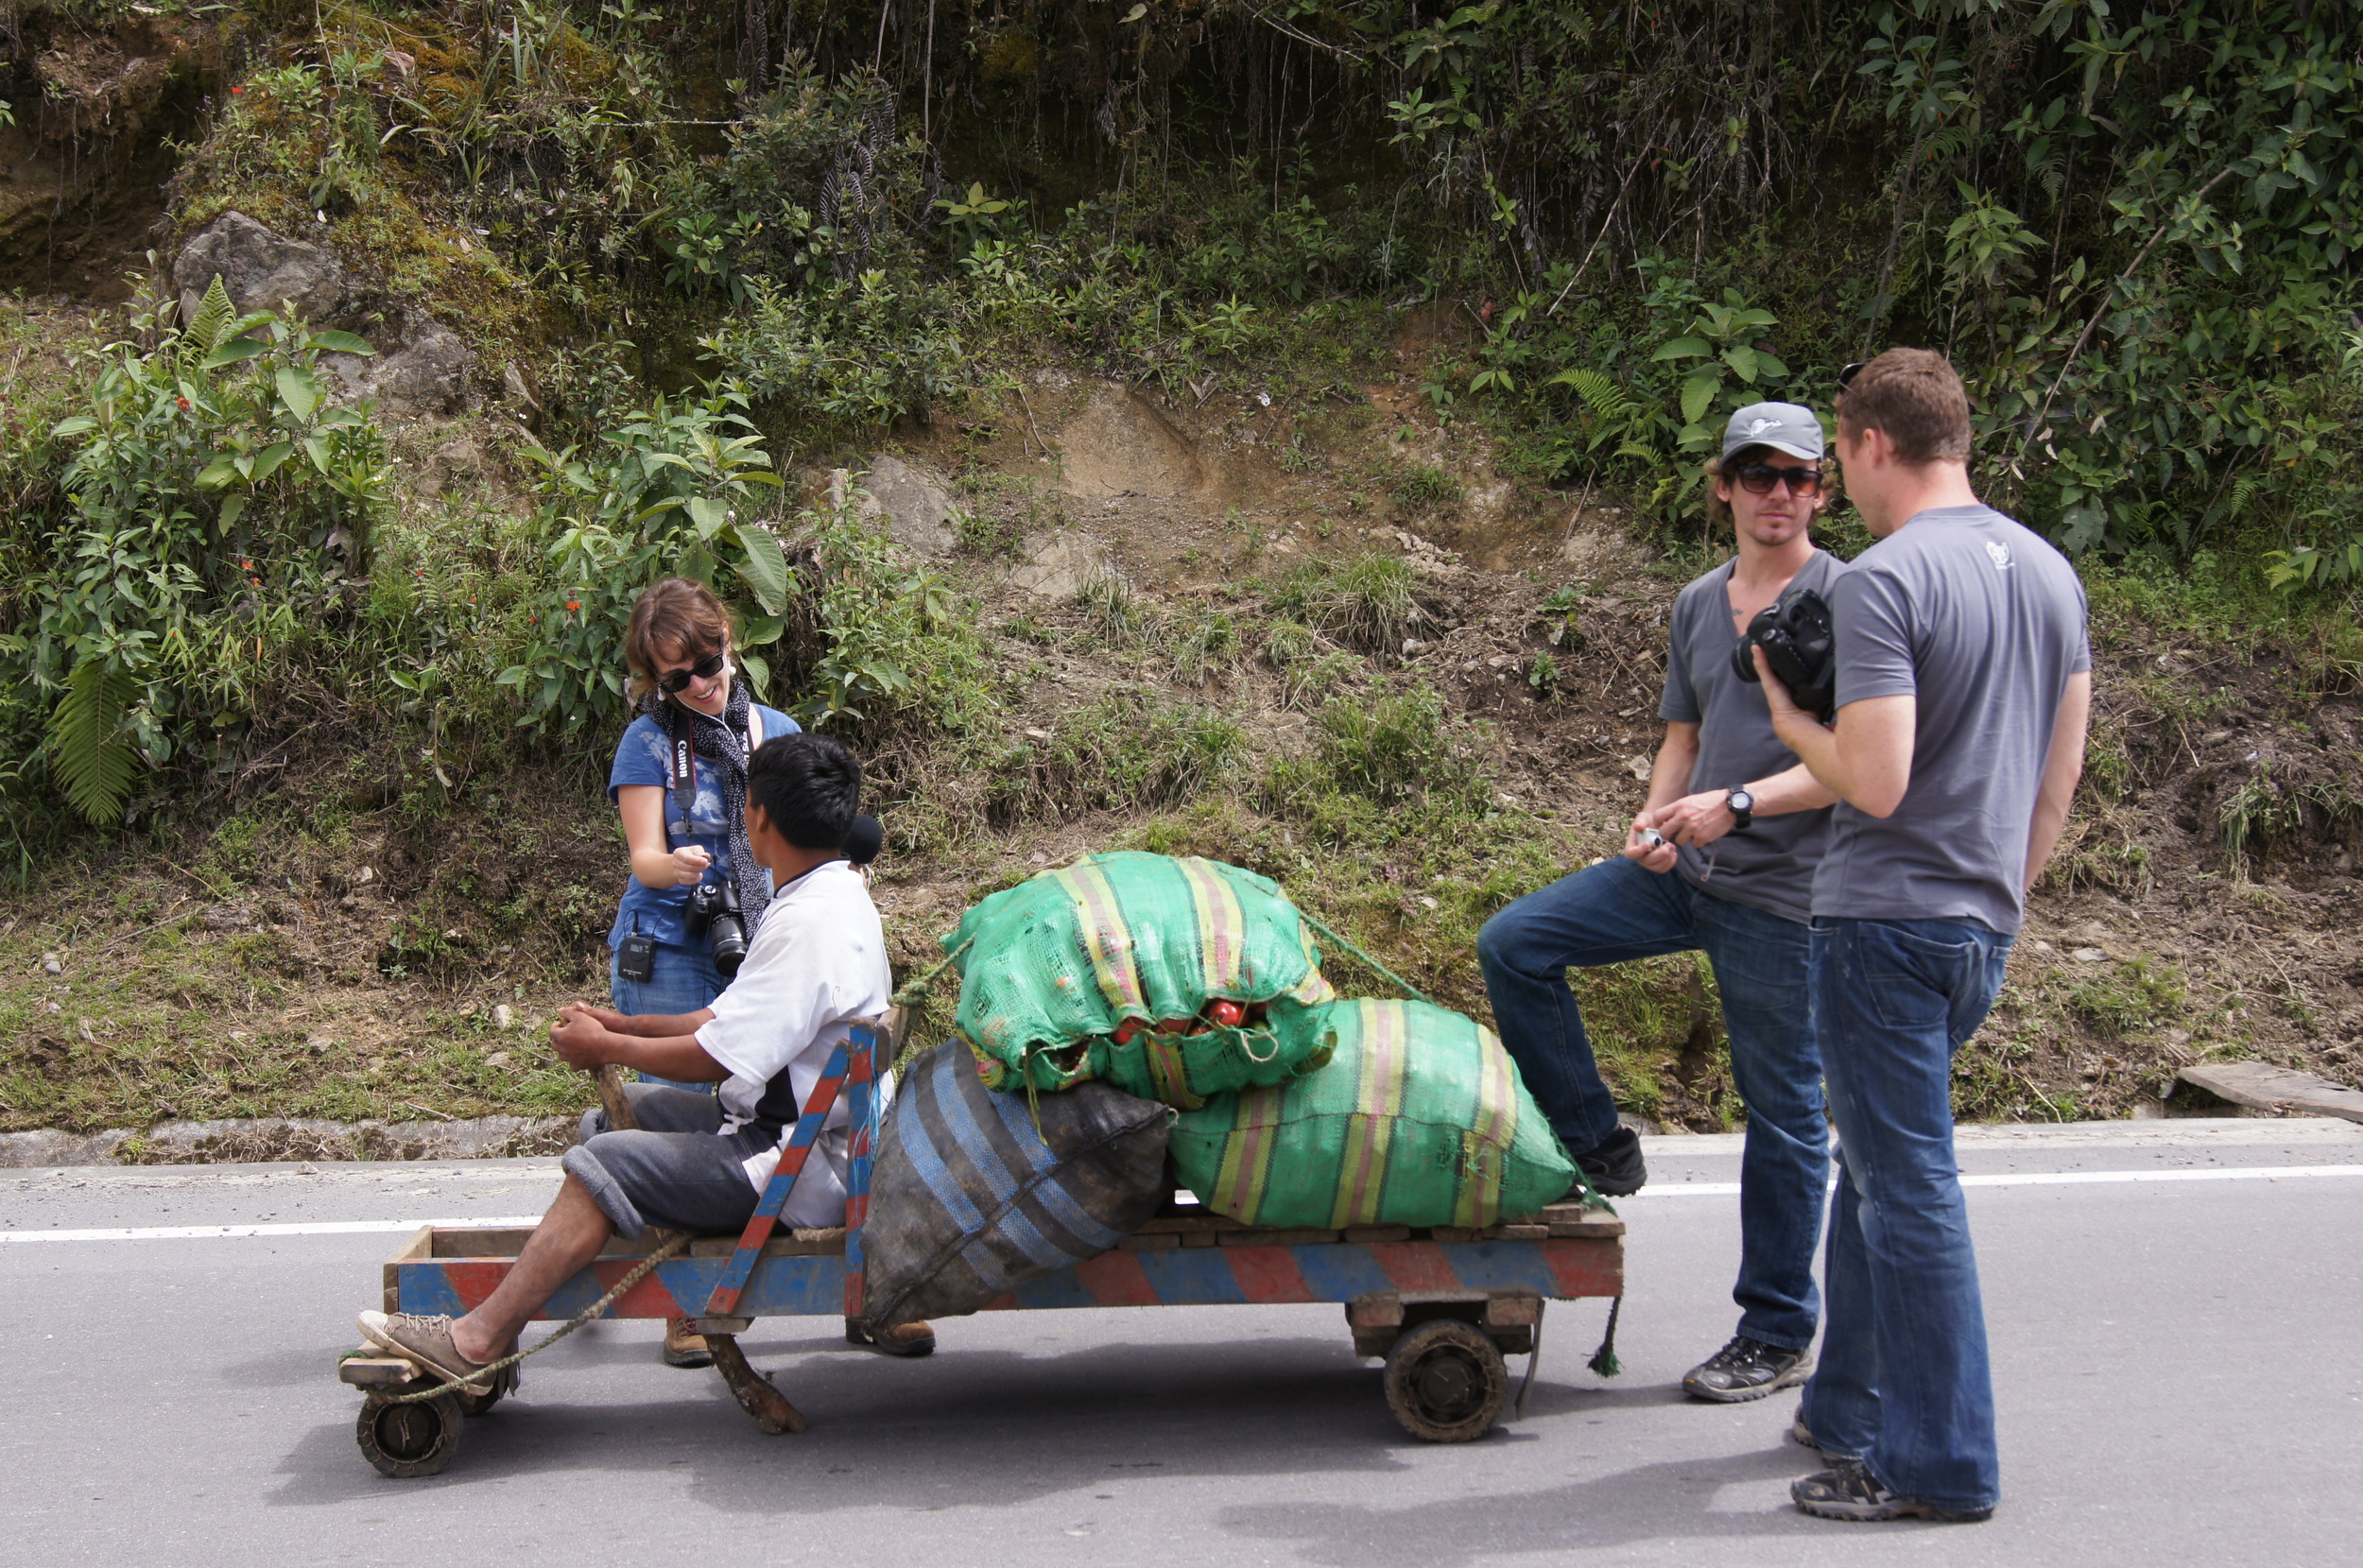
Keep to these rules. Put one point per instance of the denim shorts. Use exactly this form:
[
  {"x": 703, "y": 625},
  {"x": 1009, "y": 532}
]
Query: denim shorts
[
  {"x": 678, "y": 1170},
  {"x": 682, "y": 980}
]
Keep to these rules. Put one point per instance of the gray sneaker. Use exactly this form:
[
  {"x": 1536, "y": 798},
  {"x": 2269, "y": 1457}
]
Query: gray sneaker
[
  {"x": 1848, "y": 1490},
  {"x": 1747, "y": 1369},
  {"x": 424, "y": 1340}
]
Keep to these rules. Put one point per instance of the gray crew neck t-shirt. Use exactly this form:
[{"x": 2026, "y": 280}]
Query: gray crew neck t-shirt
[
  {"x": 1769, "y": 865},
  {"x": 1982, "y": 622}
]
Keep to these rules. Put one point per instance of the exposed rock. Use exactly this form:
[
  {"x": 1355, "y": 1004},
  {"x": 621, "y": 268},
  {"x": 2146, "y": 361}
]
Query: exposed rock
[
  {"x": 261, "y": 269},
  {"x": 2280, "y": 1090},
  {"x": 1058, "y": 569},
  {"x": 421, "y": 366},
  {"x": 920, "y": 515},
  {"x": 425, "y": 373}
]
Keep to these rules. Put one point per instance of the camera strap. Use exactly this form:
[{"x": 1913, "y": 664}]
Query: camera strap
[{"x": 682, "y": 758}]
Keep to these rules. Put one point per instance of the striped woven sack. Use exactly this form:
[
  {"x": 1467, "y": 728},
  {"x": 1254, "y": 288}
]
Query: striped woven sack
[
  {"x": 1053, "y": 969},
  {"x": 1420, "y": 1119},
  {"x": 967, "y": 1199}
]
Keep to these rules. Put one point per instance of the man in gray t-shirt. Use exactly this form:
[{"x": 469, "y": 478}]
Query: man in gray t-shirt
[
  {"x": 1742, "y": 823},
  {"x": 1963, "y": 687}
]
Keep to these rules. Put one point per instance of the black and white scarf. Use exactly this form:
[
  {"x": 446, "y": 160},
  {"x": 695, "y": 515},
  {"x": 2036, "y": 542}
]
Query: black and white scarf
[{"x": 722, "y": 743}]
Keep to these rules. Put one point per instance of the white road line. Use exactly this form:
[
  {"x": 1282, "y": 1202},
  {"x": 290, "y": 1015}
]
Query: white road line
[
  {"x": 2044, "y": 1178},
  {"x": 1674, "y": 1189},
  {"x": 311, "y": 1228}
]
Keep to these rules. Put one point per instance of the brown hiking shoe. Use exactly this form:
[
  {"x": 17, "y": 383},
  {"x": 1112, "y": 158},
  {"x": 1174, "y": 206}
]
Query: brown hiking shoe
[
  {"x": 902, "y": 1339},
  {"x": 685, "y": 1349},
  {"x": 424, "y": 1340}
]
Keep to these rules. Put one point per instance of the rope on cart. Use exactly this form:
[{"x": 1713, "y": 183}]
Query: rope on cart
[
  {"x": 1604, "y": 1359},
  {"x": 912, "y": 994},
  {"x": 1408, "y": 989},
  {"x": 639, "y": 1272}
]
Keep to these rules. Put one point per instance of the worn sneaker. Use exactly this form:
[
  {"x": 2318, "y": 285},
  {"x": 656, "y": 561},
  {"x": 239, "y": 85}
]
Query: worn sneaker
[
  {"x": 912, "y": 1339},
  {"x": 1614, "y": 1165},
  {"x": 683, "y": 1348},
  {"x": 424, "y": 1340},
  {"x": 1747, "y": 1369},
  {"x": 1802, "y": 1434},
  {"x": 1848, "y": 1490}
]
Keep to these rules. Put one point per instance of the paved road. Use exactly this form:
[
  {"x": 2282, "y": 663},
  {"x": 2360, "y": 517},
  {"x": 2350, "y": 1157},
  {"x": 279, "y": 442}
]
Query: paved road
[{"x": 2176, "y": 1359}]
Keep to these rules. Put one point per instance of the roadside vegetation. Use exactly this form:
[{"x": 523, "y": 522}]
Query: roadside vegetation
[{"x": 305, "y": 707}]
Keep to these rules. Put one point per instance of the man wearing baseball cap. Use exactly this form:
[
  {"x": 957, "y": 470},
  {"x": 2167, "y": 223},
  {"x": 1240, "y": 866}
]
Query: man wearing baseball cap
[{"x": 1720, "y": 861}]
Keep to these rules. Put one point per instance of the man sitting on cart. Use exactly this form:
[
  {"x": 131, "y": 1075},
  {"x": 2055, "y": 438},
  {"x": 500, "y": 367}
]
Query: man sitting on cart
[{"x": 816, "y": 963}]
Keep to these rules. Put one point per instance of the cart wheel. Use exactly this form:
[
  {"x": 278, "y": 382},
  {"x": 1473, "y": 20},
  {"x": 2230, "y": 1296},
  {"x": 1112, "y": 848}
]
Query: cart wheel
[
  {"x": 406, "y": 1440},
  {"x": 504, "y": 1384},
  {"x": 1446, "y": 1381}
]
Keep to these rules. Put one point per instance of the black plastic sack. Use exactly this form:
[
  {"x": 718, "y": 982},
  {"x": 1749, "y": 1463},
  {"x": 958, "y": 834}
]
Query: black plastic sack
[{"x": 967, "y": 1199}]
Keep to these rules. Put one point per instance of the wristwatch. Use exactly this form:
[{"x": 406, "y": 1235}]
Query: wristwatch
[{"x": 1742, "y": 805}]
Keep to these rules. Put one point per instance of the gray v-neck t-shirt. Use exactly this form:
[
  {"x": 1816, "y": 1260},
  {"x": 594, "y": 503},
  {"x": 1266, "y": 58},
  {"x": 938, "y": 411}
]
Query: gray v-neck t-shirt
[
  {"x": 1981, "y": 622},
  {"x": 1768, "y": 865}
]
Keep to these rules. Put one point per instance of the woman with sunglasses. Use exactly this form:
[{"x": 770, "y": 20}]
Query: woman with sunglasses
[{"x": 685, "y": 825}]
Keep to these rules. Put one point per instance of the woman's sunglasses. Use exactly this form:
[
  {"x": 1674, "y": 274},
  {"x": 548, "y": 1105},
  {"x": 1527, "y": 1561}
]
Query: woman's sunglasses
[
  {"x": 1760, "y": 479},
  {"x": 674, "y": 682}
]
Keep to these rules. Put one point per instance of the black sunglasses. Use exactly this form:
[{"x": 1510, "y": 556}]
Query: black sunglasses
[
  {"x": 1847, "y": 374},
  {"x": 1761, "y": 479},
  {"x": 673, "y": 683}
]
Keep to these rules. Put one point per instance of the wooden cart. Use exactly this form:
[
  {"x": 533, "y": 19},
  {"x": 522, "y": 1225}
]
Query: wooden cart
[{"x": 1443, "y": 1305}]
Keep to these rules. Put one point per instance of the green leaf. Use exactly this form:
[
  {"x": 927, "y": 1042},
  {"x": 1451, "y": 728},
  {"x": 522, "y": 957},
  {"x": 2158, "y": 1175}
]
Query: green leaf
[
  {"x": 765, "y": 568},
  {"x": 1742, "y": 359},
  {"x": 220, "y": 472},
  {"x": 298, "y": 391},
  {"x": 93, "y": 763},
  {"x": 232, "y": 508},
  {"x": 268, "y": 461},
  {"x": 1684, "y": 348},
  {"x": 1699, "y": 391},
  {"x": 758, "y": 672},
  {"x": 340, "y": 342},
  {"x": 232, "y": 353},
  {"x": 708, "y": 514},
  {"x": 80, "y": 424},
  {"x": 762, "y": 630}
]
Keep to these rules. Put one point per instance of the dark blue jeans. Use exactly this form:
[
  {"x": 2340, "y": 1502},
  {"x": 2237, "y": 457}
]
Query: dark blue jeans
[
  {"x": 1904, "y": 1381},
  {"x": 684, "y": 979},
  {"x": 1616, "y": 911}
]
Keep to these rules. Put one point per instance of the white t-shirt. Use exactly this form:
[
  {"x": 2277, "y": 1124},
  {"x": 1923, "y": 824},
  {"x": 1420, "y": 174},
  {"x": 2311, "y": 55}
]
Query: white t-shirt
[{"x": 817, "y": 963}]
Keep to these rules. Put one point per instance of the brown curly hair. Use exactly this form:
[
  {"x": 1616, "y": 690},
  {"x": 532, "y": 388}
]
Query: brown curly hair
[{"x": 678, "y": 618}]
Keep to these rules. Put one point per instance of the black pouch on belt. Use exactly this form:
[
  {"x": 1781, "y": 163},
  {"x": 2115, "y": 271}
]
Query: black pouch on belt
[{"x": 636, "y": 959}]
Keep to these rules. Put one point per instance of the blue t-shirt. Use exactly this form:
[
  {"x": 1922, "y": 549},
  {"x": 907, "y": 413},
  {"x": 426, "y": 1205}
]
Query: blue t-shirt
[{"x": 642, "y": 758}]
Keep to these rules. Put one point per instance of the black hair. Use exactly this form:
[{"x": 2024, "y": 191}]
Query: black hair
[{"x": 808, "y": 785}]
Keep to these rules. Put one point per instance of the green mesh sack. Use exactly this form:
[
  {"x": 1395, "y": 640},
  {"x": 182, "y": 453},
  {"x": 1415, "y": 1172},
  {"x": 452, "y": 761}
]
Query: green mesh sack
[
  {"x": 1419, "y": 1119},
  {"x": 1171, "y": 979}
]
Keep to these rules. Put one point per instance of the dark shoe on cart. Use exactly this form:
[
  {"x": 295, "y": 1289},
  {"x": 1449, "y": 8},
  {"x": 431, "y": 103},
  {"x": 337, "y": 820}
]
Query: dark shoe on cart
[
  {"x": 1848, "y": 1490},
  {"x": 1747, "y": 1369},
  {"x": 912, "y": 1339},
  {"x": 424, "y": 1340},
  {"x": 1614, "y": 1164}
]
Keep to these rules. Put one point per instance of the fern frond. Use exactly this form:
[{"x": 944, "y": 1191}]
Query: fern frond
[
  {"x": 1603, "y": 397},
  {"x": 214, "y": 317},
  {"x": 92, "y": 761},
  {"x": 2243, "y": 491}
]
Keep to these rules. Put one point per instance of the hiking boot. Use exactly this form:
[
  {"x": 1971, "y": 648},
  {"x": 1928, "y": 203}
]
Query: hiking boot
[
  {"x": 424, "y": 1340},
  {"x": 1848, "y": 1490},
  {"x": 1614, "y": 1165},
  {"x": 1747, "y": 1369},
  {"x": 683, "y": 1348},
  {"x": 912, "y": 1339}
]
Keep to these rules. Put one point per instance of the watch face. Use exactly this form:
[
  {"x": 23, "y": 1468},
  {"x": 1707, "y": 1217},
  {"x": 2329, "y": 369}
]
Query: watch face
[{"x": 1742, "y": 800}]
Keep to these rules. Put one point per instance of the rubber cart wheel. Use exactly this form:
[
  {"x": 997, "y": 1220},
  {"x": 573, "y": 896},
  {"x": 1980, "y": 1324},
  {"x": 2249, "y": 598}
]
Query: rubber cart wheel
[
  {"x": 1446, "y": 1381},
  {"x": 407, "y": 1440}
]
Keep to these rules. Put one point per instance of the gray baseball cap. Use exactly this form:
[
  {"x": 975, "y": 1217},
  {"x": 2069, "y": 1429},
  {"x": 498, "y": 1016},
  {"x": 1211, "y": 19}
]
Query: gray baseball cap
[{"x": 1783, "y": 426}]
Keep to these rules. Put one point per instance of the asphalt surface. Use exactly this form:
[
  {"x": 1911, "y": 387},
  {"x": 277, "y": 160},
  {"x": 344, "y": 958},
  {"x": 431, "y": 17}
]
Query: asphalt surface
[{"x": 2175, "y": 1359}]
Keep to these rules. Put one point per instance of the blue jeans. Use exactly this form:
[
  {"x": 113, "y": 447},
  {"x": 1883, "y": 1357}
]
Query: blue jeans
[
  {"x": 1904, "y": 1380},
  {"x": 684, "y": 980},
  {"x": 1616, "y": 911}
]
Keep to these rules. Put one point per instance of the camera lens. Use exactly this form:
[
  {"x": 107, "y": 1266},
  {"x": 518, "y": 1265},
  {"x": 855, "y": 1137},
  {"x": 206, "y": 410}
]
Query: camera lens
[{"x": 729, "y": 939}]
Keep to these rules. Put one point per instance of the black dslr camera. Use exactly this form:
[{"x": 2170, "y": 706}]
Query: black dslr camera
[
  {"x": 714, "y": 909},
  {"x": 1798, "y": 646}
]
